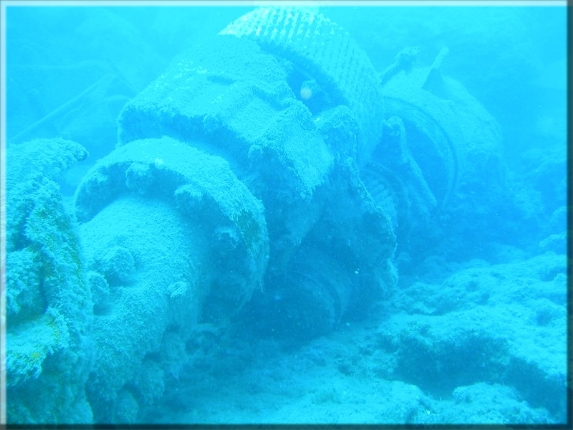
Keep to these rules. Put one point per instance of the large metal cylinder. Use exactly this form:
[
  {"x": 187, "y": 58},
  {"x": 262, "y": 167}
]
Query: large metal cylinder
[
  {"x": 175, "y": 241},
  {"x": 231, "y": 98}
]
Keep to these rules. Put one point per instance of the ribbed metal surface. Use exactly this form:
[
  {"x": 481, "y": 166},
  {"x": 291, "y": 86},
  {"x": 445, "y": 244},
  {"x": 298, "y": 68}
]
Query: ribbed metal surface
[{"x": 326, "y": 52}]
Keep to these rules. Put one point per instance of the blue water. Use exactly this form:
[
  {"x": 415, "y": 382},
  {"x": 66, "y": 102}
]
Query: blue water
[{"x": 338, "y": 215}]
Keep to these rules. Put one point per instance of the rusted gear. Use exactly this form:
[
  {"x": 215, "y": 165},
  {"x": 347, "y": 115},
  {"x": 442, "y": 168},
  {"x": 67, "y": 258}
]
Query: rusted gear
[{"x": 48, "y": 304}]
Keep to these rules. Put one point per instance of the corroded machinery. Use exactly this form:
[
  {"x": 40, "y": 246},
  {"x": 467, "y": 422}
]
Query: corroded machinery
[
  {"x": 295, "y": 114},
  {"x": 267, "y": 175}
]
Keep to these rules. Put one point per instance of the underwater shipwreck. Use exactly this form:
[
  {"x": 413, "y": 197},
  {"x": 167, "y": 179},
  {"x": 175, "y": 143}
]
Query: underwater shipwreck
[{"x": 271, "y": 187}]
